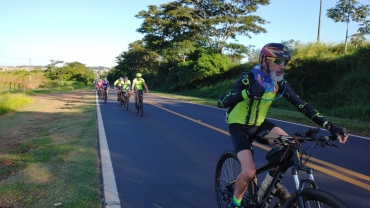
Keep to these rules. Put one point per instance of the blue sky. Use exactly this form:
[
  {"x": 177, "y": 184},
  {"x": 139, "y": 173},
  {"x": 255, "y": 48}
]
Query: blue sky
[{"x": 94, "y": 32}]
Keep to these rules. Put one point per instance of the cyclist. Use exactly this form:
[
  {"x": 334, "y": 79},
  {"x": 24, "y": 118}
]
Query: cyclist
[
  {"x": 106, "y": 85},
  {"x": 118, "y": 85},
  {"x": 122, "y": 83},
  {"x": 126, "y": 85},
  {"x": 248, "y": 102},
  {"x": 98, "y": 84},
  {"x": 137, "y": 86}
]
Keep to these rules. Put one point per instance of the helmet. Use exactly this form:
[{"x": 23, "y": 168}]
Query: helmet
[
  {"x": 121, "y": 78},
  {"x": 100, "y": 80},
  {"x": 275, "y": 50},
  {"x": 125, "y": 77},
  {"x": 139, "y": 75}
]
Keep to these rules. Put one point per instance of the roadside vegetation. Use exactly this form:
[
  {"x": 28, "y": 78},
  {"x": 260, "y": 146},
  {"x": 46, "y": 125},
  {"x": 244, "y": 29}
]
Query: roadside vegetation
[
  {"x": 48, "y": 152},
  {"x": 48, "y": 139}
]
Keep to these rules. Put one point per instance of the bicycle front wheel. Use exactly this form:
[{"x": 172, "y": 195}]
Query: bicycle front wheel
[
  {"x": 141, "y": 107},
  {"x": 126, "y": 102},
  {"x": 315, "y": 198},
  {"x": 228, "y": 169}
]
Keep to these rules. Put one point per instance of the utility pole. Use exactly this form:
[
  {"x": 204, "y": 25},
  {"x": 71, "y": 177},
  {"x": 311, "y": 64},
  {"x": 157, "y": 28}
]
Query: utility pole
[{"x": 318, "y": 31}]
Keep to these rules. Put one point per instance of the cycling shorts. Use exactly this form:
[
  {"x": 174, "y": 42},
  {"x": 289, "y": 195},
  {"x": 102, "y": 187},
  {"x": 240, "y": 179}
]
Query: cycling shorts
[{"x": 243, "y": 135}]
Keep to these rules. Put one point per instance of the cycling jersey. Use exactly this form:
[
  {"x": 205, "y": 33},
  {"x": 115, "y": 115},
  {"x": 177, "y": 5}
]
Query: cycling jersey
[
  {"x": 126, "y": 84},
  {"x": 138, "y": 83},
  {"x": 106, "y": 84},
  {"x": 244, "y": 110},
  {"x": 99, "y": 84}
]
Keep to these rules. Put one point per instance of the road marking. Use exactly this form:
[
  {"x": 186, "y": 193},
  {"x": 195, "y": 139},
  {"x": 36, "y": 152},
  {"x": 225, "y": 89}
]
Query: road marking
[
  {"x": 111, "y": 198},
  {"x": 361, "y": 184}
]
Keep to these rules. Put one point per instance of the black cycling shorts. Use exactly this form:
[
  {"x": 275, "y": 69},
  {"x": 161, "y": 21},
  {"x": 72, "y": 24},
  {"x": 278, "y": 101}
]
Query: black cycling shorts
[{"x": 243, "y": 135}]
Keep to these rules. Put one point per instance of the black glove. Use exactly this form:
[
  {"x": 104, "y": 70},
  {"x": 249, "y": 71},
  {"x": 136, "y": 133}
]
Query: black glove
[
  {"x": 256, "y": 91},
  {"x": 336, "y": 130}
]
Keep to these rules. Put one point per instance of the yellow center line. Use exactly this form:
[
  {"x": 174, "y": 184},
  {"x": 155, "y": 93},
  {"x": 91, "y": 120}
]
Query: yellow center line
[{"x": 316, "y": 167}]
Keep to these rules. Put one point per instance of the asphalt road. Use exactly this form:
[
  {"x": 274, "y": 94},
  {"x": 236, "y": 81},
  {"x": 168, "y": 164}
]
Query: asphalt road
[{"x": 168, "y": 156}]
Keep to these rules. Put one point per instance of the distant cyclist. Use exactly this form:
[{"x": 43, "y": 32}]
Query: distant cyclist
[
  {"x": 118, "y": 84},
  {"x": 106, "y": 85},
  {"x": 137, "y": 86},
  {"x": 122, "y": 83},
  {"x": 99, "y": 85}
]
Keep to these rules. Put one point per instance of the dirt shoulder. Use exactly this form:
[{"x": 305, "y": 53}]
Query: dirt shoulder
[{"x": 48, "y": 152}]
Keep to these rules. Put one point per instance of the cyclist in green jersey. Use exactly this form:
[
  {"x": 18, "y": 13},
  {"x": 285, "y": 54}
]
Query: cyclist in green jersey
[
  {"x": 248, "y": 102},
  {"x": 122, "y": 83},
  {"x": 137, "y": 85}
]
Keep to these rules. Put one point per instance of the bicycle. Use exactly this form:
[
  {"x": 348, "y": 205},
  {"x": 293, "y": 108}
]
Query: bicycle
[
  {"x": 289, "y": 155},
  {"x": 99, "y": 93},
  {"x": 105, "y": 95},
  {"x": 139, "y": 103},
  {"x": 124, "y": 99}
]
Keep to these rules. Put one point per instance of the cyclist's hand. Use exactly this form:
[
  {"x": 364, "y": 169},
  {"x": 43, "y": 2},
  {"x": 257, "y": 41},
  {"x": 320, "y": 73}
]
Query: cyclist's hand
[
  {"x": 256, "y": 91},
  {"x": 340, "y": 132},
  {"x": 147, "y": 91}
]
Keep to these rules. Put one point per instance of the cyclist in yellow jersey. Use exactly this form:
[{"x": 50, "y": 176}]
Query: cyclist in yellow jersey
[
  {"x": 137, "y": 85},
  {"x": 118, "y": 85}
]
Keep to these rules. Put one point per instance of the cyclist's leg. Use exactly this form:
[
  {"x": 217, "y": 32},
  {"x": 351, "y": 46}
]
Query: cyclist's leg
[
  {"x": 281, "y": 192},
  {"x": 241, "y": 137},
  {"x": 136, "y": 92}
]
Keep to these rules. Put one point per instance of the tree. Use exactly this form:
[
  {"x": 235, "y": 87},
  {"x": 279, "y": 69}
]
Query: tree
[
  {"x": 138, "y": 58},
  {"x": 205, "y": 22},
  {"x": 364, "y": 28},
  {"x": 346, "y": 11}
]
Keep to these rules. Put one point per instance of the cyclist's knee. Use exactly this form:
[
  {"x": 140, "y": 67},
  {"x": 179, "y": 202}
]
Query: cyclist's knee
[{"x": 248, "y": 174}]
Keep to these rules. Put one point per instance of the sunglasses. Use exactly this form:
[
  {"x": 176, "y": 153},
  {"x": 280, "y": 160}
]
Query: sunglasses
[{"x": 278, "y": 61}]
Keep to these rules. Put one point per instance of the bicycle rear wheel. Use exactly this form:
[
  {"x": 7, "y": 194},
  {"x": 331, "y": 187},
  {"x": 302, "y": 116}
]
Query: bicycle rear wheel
[
  {"x": 315, "y": 198},
  {"x": 228, "y": 169}
]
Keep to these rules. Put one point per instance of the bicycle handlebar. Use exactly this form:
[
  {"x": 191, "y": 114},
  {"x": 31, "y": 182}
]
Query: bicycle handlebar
[{"x": 310, "y": 135}]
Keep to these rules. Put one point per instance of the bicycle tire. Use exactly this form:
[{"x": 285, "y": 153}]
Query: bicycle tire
[
  {"x": 122, "y": 102},
  {"x": 227, "y": 170},
  {"x": 105, "y": 96},
  {"x": 141, "y": 107},
  {"x": 126, "y": 102},
  {"x": 313, "y": 196}
]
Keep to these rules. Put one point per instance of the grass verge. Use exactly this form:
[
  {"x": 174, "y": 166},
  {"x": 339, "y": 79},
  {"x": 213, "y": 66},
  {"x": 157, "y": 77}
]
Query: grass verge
[
  {"x": 355, "y": 127},
  {"x": 48, "y": 153},
  {"x": 10, "y": 102}
]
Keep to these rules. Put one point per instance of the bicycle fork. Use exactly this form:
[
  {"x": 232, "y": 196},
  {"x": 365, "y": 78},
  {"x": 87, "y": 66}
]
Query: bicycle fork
[{"x": 299, "y": 184}]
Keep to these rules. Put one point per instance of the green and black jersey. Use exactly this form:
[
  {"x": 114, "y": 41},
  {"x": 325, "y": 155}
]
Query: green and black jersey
[{"x": 244, "y": 110}]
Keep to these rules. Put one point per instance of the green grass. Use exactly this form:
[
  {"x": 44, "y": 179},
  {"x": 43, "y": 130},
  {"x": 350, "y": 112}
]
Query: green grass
[
  {"x": 10, "y": 102},
  {"x": 50, "y": 155}
]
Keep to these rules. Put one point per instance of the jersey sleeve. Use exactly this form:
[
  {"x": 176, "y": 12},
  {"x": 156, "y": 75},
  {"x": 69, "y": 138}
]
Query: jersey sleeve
[
  {"x": 305, "y": 108},
  {"x": 237, "y": 93}
]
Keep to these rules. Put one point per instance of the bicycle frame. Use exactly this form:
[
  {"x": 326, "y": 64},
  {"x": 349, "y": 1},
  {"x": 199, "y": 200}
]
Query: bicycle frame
[{"x": 279, "y": 174}]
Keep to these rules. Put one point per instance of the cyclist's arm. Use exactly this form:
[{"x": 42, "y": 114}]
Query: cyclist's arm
[
  {"x": 237, "y": 93},
  {"x": 133, "y": 86},
  {"x": 146, "y": 87},
  {"x": 305, "y": 108}
]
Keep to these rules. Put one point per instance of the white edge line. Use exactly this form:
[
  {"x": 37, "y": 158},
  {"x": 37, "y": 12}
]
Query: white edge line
[
  {"x": 268, "y": 118},
  {"x": 111, "y": 198}
]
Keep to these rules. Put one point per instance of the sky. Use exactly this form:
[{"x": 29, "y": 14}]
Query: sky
[{"x": 95, "y": 32}]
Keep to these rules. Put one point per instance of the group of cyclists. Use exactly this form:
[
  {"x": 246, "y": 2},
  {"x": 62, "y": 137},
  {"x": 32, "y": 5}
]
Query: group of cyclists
[{"x": 124, "y": 84}]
